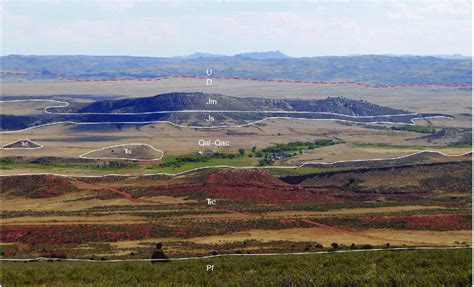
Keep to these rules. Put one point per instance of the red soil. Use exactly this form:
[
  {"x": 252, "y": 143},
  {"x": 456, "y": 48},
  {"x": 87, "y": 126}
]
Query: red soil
[
  {"x": 77, "y": 234},
  {"x": 430, "y": 221},
  {"x": 36, "y": 186},
  {"x": 245, "y": 185}
]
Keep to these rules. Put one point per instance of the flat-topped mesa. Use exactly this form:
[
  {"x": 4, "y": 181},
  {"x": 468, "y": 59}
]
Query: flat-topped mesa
[{"x": 198, "y": 101}]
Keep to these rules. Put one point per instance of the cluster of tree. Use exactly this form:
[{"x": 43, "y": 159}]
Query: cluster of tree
[
  {"x": 116, "y": 164},
  {"x": 158, "y": 255},
  {"x": 297, "y": 146},
  {"x": 180, "y": 160},
  {"x": 417, "y": 129},
  {"x": 270, "y": 154}
]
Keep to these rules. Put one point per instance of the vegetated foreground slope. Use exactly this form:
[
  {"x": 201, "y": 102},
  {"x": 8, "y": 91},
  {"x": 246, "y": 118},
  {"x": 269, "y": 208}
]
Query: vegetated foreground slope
[
  {"x": 384, "y": 70},
  {"x": 386, "y": 268},
  {"x": 419, "y": 204},
  {"x": 409, "y": 182}
]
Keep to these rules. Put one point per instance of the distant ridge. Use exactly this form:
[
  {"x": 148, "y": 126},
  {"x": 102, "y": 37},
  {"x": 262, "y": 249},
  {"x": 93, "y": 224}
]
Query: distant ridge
[
  {"x": 453, "y": 57},
  {"x": 250, "y": 55},
  {"x": 369, "y": 69},
  {"x": 197, "y": 101},
  {"x": 263, "y": 55},
  {"x": 446, "y": 57},
  {"x": 199, "y": 55}
]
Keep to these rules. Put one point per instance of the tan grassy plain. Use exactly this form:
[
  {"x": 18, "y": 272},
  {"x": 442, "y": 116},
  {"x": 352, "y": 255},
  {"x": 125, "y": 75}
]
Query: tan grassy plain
[
  {"x": 77, "y": 201},
  {"x": 24, "y": 108},
  {"x": 459, "y": 121},
  {"x": 64, "y": 141},
  {"x": 327, "y": 237},
  {"x": 60, "y": 220},
  {"x": 417, "y": 99},
  {"x": 70, "y": 141},
  {"x": 110, "y": 218},
  {"x": 66, "y": 202},
  {"x": 347, "y": 151},
  {"x": 348, "y": 211}
]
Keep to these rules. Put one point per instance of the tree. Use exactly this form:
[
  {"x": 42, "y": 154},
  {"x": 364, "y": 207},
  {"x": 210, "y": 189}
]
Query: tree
[
  {"x": 159, "y": 256},
  {"x": 334, "y": 245}
]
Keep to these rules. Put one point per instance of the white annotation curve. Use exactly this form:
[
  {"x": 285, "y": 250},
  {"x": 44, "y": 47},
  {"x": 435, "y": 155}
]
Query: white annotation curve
[
  {"x": 65, "y": 104},
  {"x": 237, "y": 255},
  {"x": 84, "y": 155},
  {"x": 412, "y": 122},
  {"x": 25, "y": 145}
]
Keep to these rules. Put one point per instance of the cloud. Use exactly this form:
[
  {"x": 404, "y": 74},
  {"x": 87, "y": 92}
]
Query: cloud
[
  {"x": 247, "y": 30},
  {"x": 117, "y": 6},
  {"x": 421, "y": 10},
  {"x": 404, "y": 12},
  {"x": 455, "y": 8}
]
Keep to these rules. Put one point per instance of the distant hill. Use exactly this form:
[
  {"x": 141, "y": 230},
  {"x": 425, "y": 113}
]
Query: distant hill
[
  {"x": 372, "y": 69},
  {"x": 197, "y": 101},
  {"x": 191, "y": 109},
  {"x": 446, "y": 57},
  {"x": 263, "y": 55},
  {"x": 251, "y": 55},
  {"x": 199, "y": 55},
  {"x": 453, "y": 57}
]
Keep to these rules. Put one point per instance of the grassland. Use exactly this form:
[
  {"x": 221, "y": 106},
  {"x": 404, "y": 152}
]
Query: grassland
[
  {"x": 354, "y": 143},
  {"x": 124, "y": 167},
  {"x": 409, "y": 147},
  {"x": 382, "y": 268},
  {"x": 416, "y": 99},
  {"x": 171, "y": 165},
  {"x": 176, "y": 164}
]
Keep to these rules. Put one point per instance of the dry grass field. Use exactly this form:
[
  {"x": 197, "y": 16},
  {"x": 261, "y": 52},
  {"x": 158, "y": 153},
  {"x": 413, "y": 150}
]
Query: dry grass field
[
  {"x": 416, "y": 99},
  {"x": 71, "y": 141}
]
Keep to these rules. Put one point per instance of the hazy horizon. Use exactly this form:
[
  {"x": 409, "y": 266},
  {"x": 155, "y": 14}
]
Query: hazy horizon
[
  {"x": 245, "y": 52},
  {"x": 180, "y": 28}
]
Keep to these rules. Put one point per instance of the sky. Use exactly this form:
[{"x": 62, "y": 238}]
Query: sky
[{"x": 173, "y": 28}]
